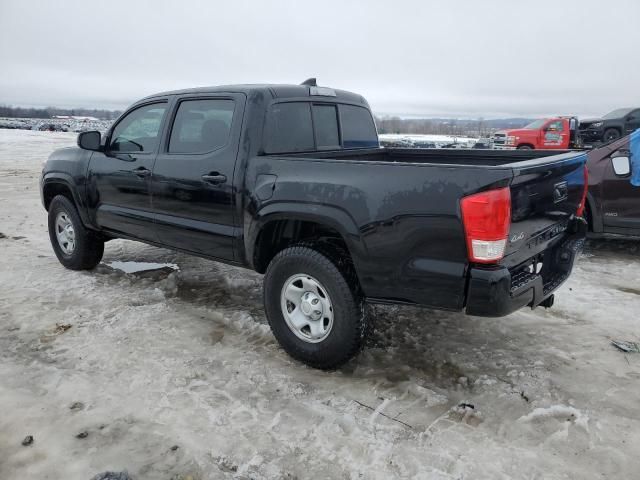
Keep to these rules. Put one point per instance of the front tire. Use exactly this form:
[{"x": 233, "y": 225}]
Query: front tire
[
  {"x": 314, "y": 309},
  {"x": 76, "y": 247},
  {"x": 610, "y": 135},
  {"x": 525, "y": 147}
]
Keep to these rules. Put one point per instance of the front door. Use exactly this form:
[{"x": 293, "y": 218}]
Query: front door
[
  {"x": 632, "y": 122},
  {"x": 556, "y": 135},
  {"x": 621, "y": 193},
  {"x": 119, "y": 178},
  {"x": 192, "y": 183}
]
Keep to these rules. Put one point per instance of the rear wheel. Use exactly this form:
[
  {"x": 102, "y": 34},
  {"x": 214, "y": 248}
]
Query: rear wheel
[
  {"x": 313, "y": 308},
  {"x": 610, "y": 134},
  {"x": 76, "y": 247}
]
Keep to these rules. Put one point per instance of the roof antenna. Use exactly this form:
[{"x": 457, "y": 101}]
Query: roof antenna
[{"x": 311, "y": 82}]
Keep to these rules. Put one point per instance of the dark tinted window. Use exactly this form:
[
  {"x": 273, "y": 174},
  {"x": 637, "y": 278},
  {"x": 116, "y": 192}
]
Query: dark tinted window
[
  {"x": 325, "y": 122},
  {"x": 358, "y": 129},
  {"x": 201, "y": 126},
  {"x": 289, "y": 128},
  {"x": 139, "y": 130}
]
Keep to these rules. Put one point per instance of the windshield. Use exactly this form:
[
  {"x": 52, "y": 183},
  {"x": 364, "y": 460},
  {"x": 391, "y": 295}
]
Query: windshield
[
  {"x": 619, "y": 113},
  {"x": 535, "y": 125}
]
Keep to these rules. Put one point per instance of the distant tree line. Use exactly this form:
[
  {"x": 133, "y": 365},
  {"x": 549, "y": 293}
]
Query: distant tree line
[{"x": 49, "y": 112}]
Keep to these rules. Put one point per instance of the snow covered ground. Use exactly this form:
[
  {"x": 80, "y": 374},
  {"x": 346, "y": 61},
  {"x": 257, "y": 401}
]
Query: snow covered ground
[{"x": 172, "y": 373}]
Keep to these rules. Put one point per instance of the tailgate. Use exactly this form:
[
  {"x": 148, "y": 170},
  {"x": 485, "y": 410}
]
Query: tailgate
[{"x": 545, "y": 194}]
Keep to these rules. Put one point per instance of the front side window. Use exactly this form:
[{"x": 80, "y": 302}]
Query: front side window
[
  {"x": 139, "y": 130},
  {"x": 201, "y": 126},
  {"x": 289, "y": 128},
  {"x": 358, "y": 129},
  {"x": 556, "y": 126}
]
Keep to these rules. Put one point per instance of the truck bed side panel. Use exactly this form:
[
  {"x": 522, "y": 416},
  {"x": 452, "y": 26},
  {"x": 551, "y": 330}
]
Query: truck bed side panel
[{"x": 404, "y": 230}]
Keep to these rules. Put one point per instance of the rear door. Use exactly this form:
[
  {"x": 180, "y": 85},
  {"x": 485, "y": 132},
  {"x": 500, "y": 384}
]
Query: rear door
[
  {"x": 192, "y": 185},
  {"x": 545, "y": 194}
]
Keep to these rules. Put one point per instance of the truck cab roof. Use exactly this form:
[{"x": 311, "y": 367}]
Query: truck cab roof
[{"x": 279, "y": 91}]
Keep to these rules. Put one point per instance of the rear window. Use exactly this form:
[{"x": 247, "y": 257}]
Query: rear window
[
  {"x": 358, "y": 129},
  {"x": 289, "y": 128},
  {"x": 325, "y": 122}
]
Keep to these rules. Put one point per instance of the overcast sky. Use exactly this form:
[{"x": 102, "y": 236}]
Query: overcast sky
[{"x": 419, "y": 58}]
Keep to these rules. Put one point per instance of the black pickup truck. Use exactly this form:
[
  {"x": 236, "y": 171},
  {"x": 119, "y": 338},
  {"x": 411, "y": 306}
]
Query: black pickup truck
[{"x": 290, "y": 181}]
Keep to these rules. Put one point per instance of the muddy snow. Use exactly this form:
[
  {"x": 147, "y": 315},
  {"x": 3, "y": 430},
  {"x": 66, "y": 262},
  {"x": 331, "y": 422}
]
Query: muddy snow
[{"x": 169, "y": 371}]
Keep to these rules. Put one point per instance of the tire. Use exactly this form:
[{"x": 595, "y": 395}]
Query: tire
[
  {"x": 524, "y": 147},
  {"x": 346, "y": 332},
  {"x": 610, "y": 135},
  {"x": 85, "y": 249}
]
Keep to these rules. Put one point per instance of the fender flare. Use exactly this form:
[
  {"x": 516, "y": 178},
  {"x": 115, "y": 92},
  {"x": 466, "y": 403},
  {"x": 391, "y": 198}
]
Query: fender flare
[
  {"x": 65, "y": 179},
  {"x": 331, "y": 216},
  {"x": 596, "y": 214}
]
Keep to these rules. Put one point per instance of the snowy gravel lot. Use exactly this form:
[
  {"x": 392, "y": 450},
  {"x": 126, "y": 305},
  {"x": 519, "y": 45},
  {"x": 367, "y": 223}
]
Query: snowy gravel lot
[{"x": 173, "y": 374}]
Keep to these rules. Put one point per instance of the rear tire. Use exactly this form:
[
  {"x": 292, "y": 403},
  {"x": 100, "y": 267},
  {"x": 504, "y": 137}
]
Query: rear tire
[
  {"x": 301, "y": 271},
  {"x": 610, "y": 135},
  {"x": 76, "y": 247}
]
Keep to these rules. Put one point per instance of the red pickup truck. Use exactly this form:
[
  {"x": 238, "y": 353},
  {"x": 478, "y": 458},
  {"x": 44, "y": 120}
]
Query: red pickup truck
[{"x": 557, "y": 133}]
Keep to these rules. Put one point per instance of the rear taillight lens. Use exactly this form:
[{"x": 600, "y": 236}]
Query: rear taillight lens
[
  {"x": 583, "y": 201},
  {"x": 487, "y": 217}
]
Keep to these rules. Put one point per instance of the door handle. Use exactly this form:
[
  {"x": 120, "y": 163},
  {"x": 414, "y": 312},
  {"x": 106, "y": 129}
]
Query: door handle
[
  {"x": 142, "y": 172},
  {"x": 214, "y": 178}
]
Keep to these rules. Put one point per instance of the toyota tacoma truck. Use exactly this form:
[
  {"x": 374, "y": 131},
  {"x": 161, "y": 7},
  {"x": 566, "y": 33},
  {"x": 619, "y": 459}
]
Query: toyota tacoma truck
[
  {"x": 557, "y": 133},
  {"x": 290, "y": 181}
]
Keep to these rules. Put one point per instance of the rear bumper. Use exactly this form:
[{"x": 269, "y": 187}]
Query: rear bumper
[{"x": 499, "y": 291}]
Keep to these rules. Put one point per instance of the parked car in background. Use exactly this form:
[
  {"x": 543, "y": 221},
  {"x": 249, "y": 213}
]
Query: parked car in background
[
  {"x": 610, "y": 127},
  {"x": 483, "y": 143},
  {"x": 613, "y": 201},
  {"x": 556, "y": 133},
  {"x": 290, "y": 181}
]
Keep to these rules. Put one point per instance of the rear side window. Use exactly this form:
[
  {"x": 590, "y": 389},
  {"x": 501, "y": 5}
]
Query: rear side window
[
  {"x": 289, "y": 128},
  {"x": 201, "y": 126},
  {"x": 325, "y": 123},
  {"x": 358, "y": 129}
]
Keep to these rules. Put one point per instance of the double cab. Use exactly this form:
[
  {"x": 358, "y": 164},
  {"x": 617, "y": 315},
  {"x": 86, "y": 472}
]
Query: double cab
[{"x": 290, "y": 181}]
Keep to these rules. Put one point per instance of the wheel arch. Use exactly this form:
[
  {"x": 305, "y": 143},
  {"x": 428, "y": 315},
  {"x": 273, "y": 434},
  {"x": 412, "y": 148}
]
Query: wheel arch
[
  {"x": 62, "y": 184},
  {"x": 277, "y": 227}
]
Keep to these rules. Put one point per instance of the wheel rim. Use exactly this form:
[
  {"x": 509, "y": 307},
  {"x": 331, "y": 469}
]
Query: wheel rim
[
  {"x": 611, "y": 136},
  {"x": 307, "y": 308},
  {"x": 65, "y": 233}
]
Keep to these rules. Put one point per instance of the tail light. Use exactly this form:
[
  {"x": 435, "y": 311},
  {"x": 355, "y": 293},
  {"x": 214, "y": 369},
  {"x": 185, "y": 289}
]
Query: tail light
[
  {"x": 583, "y": 201},
  {"x": 487, "y": 217}
]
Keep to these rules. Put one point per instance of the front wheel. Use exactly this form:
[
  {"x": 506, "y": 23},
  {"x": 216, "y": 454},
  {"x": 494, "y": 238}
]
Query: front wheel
[
  {"x": 610, "y": 135},
  {"x": 314, "y": 310},
  {"x": 76, "y": 247},
  {"x": 525, "y": 147}
]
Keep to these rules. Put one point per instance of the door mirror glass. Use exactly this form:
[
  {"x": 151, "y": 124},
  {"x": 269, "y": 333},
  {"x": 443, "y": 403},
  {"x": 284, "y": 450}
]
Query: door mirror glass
[
  {"x": 89, "y": 141},
  {"x": 621, "y": 166}
]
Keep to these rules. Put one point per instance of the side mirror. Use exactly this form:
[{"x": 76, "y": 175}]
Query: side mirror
[
  {"x": 621, "y": 166},
  {"x": 89, "y": 141}
]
